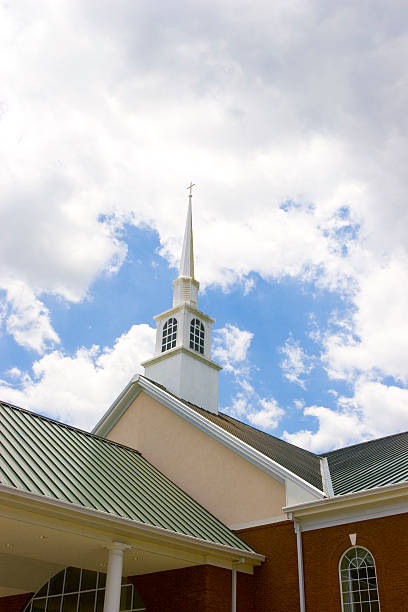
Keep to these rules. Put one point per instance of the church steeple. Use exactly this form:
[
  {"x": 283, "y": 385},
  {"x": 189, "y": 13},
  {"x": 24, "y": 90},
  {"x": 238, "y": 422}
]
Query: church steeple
[
  {"x": 185, "y": 287},
  {"x": 182, "y": 360}
]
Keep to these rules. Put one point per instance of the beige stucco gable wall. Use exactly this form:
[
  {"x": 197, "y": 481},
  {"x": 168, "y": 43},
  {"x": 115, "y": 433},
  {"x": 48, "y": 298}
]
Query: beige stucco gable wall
[{"x": 230, "y": 487}]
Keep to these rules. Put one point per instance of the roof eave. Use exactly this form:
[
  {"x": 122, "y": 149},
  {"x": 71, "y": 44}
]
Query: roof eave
[
  {"x": 390, "y": 491},
  {"x": 130, "y": 526}
]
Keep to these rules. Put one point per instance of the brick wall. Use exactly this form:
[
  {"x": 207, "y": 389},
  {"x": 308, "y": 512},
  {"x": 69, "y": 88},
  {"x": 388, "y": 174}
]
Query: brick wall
[
  {"x": 386, "y": 538},
  {"x": 275, "y": 582},
  {"x": 203, "y": 588},
  {"x": 15, "y": 603}
]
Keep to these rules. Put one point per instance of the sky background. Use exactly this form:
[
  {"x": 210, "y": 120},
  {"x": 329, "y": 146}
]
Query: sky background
[{"x": 291, "y": 118}]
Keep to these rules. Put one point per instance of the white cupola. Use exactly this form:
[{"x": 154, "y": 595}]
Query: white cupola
[{"x": 182, "y": 360}]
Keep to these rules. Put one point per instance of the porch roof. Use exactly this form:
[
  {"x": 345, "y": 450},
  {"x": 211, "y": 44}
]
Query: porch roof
[{"x": 58, "y": 461}]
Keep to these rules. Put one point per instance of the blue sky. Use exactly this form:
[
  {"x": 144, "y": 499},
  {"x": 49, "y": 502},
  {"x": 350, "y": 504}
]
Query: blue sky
[{"x": 297, "y": 142}]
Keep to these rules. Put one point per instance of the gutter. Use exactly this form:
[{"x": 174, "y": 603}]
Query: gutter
[
  {"x": 399, "y": 489},
  {"x": 159, "y": 533}
]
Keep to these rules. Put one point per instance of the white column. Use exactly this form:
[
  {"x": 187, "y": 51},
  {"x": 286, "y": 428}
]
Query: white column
[
  {"x": 114, "y": 577},
  {"x": 298, "y": 530},
  {"x": 234, "y": 590}
]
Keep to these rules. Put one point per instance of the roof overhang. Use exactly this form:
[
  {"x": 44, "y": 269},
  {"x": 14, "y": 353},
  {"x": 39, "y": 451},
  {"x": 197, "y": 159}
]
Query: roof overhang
[
  {"x": 140, "y": 383},
  {"x": 64, "y": 533},
  {"x": 357, "y": 506}
]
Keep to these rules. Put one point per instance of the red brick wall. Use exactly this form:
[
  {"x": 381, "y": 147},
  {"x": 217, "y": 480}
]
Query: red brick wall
[
  {"x": 15, "y": 603},
  {"x": 387, "y": 540},
  {"x": 193, "y": 589},
  {"x": 275, "y": 582}
]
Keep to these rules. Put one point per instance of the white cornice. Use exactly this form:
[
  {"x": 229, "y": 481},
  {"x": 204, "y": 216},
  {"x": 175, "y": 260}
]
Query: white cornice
[
  {"x": 181, "y": 349},
  {"x": 351, "y": 507},
  {"x": 246, "y": 451},
  {"x": 186, "y": 306}
]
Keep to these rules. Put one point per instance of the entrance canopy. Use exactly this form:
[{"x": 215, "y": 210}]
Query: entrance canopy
[{"x": 69, "y": 498}]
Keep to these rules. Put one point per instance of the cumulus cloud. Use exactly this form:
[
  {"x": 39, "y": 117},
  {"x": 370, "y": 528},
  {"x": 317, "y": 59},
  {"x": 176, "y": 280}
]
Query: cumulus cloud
[
  {"x": 28, "y": 320},
  {"x": 231, "y": 348},
  {"x": 231, "y": 345},
  {"x": 375, "y": 410},
  {"x": 282, "y": 133},
  {"x": 268, "y": 416},
  {"x": 79, "y": 388},
  {"x": 295, "y": 363}
]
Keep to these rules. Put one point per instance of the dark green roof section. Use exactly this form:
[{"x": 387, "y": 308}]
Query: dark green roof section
[
  {"x": 369, "y": 464},
  {"x": 299, "y": 461},
  {"x": 49, "y": 458}
]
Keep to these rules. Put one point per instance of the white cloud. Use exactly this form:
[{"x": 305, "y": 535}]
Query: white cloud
[
  {"x": 231, "y": 348},
  {"x": 295, "y": 362},
  {"x": 375, "y": 338},
  {"x": 87, "y": 131},
  {"x": 78, "y": 389},
  {"x": 231, "y": 345},
  {"x": 106, "y": 128},
  {"x": 375, "y": 410},
  {"x": 269, "y": 415},
  {"x": 29, "y": 320}
]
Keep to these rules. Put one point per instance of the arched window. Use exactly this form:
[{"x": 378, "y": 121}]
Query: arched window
[
  {"x": 169, "y": 334},
  {"x": 358, "y": 581},
  {"x": 197, "y": 336},
  {"x": 79, "y": 590}
]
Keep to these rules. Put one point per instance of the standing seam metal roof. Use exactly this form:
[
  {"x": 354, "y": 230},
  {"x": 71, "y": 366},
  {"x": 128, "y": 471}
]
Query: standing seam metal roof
[
  {"x": 370, "y": 464},
  {"x": 49, "y": 458}
]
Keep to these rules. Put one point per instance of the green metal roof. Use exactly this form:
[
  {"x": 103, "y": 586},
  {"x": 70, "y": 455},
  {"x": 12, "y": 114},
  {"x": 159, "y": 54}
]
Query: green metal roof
[
  {"x": 58, "y": 461},
  {"x": 370, "y": 464}
]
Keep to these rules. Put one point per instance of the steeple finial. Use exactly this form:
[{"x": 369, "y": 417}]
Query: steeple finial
[{"x": 187, "y": 254}]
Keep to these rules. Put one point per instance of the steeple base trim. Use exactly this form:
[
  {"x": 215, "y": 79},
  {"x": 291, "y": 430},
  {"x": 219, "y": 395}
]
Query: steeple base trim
[{"x": 188, "y": 375}]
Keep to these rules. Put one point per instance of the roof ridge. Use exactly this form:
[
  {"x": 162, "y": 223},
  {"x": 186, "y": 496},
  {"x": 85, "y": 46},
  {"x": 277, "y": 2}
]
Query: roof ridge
[
  {"x": 72, "y": 427},
  {"x": 400, "y": 433}
]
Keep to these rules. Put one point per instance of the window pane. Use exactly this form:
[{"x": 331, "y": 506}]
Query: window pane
[
  {"x": 39, "y": 605},
  {"x": 87, "y": 601},
  {"x": 126, "y": 598},
  {"x": 54, "y": 604},
  {"x": 56, "y": 584},
  {"x": 69, "y": 603},
  {"x": 43, "y": 591},
  {"x": 72, "y": 580},
  {"x": 100, "y": 601},
  {"x": 102, "y": 580},
  {"x": 88, "y": 580}
]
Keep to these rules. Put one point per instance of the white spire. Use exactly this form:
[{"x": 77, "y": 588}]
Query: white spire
[
  {"x": 185, "y": 287},
  {"x": 187, "y": 254}
]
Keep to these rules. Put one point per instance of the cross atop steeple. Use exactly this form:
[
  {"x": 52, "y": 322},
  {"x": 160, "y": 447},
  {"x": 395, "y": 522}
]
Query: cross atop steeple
[{"x": 190, "y": 187}]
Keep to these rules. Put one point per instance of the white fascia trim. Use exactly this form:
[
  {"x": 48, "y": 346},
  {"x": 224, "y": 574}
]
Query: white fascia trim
[
  {"x": 266, "y": 464},
  {"x": 326, "y": 477},
  {"x": 385, "y": 492},
  {"x": 33, "y": 499},
  {"x": 117, "y": 408}
]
